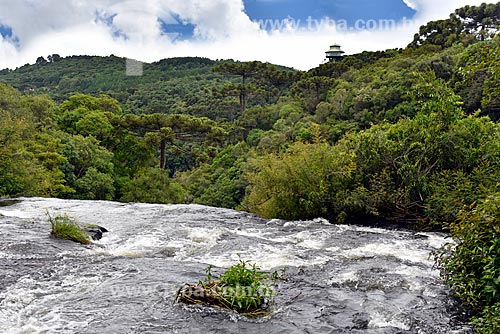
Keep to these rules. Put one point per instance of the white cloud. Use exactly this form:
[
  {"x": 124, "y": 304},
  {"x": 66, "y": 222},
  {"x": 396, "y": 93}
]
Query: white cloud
[
  {"x": 130, "y": 28},
  {"x": 8, "y": 53},
  {"x": 411, "y": 4},
  {"x": 428, "y": 10},
  {"x": 214, "y": 19}
]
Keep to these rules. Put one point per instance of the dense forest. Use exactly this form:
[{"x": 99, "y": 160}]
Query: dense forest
[{"x": 408, "y": 136}]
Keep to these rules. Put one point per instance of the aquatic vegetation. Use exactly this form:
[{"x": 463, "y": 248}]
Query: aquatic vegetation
[
  {"x": 65, "y": 227},
  {"x": 243, "y": 288}
]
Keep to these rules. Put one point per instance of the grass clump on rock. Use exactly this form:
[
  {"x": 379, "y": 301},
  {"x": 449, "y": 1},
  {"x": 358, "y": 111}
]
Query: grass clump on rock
[
  {"x": 67, "y": 228},
  {"x": 243, "y": 288}
]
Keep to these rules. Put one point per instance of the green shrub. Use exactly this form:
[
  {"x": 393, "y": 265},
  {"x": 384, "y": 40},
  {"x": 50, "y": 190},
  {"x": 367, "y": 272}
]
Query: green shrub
[
  {"x": 243, "y": 288},
  {"x": 489, "y": 322},
  {"x": 153, "y": 185},
  {"x": 302, "y": 183},
  {"x": 471, "y": 265},
  {"x": 64, "y": 227},
  {"x": 452, "y": 190}
]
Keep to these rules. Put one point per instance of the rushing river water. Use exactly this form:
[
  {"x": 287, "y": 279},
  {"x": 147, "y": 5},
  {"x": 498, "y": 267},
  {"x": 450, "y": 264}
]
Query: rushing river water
[{"x": 341, "y": 279}]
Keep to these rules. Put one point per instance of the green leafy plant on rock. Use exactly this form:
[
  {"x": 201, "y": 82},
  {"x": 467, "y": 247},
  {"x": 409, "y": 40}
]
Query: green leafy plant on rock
[
  {"x": 65, "y": 227},
  {"x": 243, "y": 288}
]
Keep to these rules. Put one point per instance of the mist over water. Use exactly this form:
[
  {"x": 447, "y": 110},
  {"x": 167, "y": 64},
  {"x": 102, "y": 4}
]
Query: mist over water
[{"x": 341, "y": 279}]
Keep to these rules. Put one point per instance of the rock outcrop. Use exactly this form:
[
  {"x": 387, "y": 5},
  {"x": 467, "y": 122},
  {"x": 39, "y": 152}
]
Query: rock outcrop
[{"x": 95, "y": 231}]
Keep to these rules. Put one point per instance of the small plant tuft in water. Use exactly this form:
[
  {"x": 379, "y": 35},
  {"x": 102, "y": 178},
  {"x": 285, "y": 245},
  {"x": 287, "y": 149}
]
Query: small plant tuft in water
[
  {"x": 243, "y": 288},
  {"x": 67, "y": 228}
]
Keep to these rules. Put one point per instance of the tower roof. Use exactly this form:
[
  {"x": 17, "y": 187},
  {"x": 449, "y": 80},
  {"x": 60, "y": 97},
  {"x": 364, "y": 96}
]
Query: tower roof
[
  {"x": 335, "y": 53},
  {"x": 335, "y": 48}
]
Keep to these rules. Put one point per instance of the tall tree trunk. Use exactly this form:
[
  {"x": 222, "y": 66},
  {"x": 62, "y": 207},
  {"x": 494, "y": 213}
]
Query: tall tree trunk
[
  {"x": 162, "y": 154},
  {"x": 243, "y": 95},
  {"x": 243, "y": 102}
]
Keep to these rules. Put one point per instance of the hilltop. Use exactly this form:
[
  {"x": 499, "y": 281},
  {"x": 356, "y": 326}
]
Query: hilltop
[
  {"x": 170, "y": 86},
  {"x": 176, "y": 85}
]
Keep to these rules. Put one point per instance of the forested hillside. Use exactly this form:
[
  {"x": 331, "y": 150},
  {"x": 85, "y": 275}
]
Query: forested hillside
[
  {"x": 409, "y": 136},
  {"x": 169, "y": 86},
  {"x": 399, "y": 118}
]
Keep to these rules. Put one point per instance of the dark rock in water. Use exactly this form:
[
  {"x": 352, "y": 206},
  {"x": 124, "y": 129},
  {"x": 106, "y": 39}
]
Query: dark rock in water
[
  {"x": 168, "y": 252},
  {"x": 8, "y": 202},
  {"x": 361, "y": 320},
  {"x": 95, "y": 231},
  {"x": 420, "y": 236}
]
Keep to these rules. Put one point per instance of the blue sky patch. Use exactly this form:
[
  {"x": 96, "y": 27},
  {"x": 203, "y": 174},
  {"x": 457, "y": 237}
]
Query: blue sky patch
[
  {"x": 178, "y": 30},
  {"x": 5, "y": 31},
  {"x": 348, "y": 10}
]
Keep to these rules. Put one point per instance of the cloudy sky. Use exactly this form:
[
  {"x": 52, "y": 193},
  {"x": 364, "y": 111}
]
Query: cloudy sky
[{"x": 294, "y": 33}]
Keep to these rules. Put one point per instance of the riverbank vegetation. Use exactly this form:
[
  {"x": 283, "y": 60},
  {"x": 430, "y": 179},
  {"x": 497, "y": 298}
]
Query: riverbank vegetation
[
  {"x": 410, "y": 136},
  {"x": 471, "y": 263}
]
